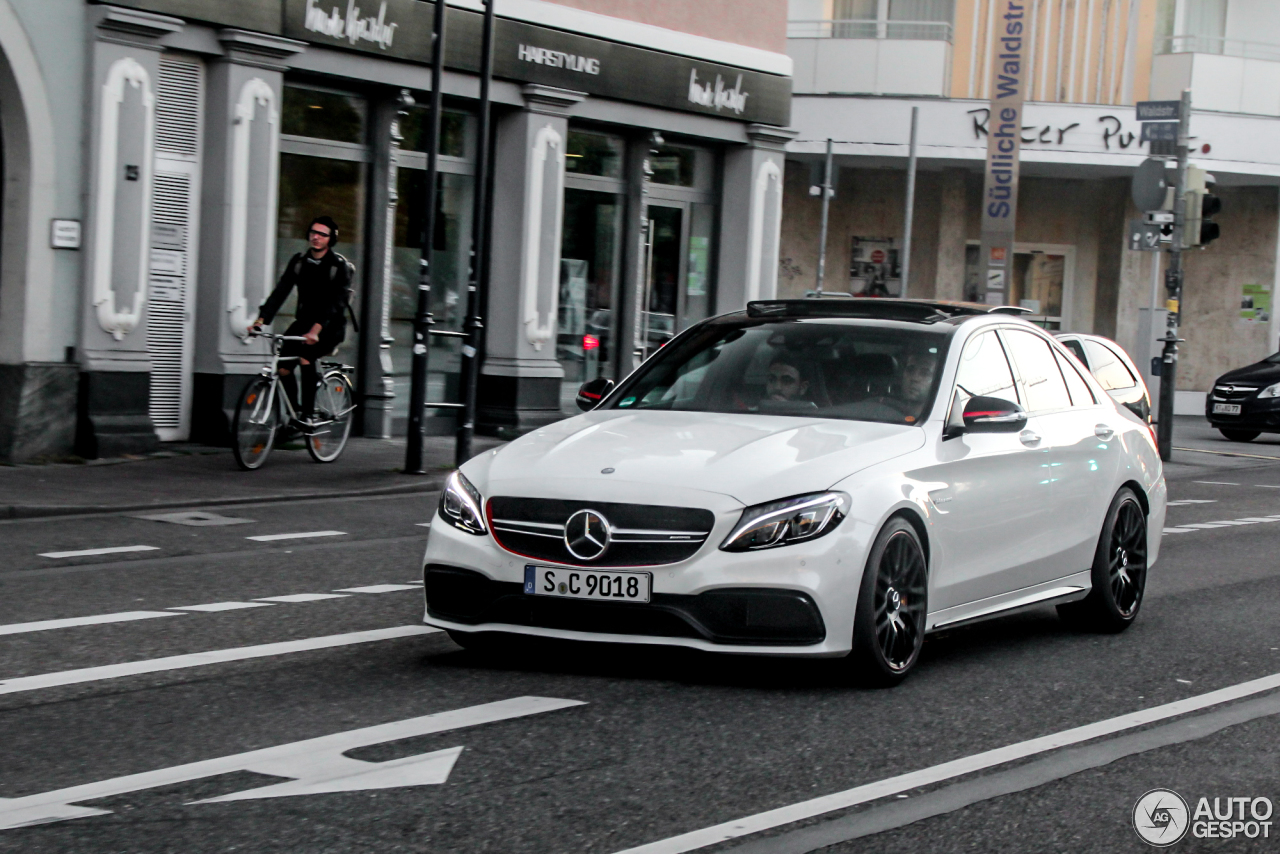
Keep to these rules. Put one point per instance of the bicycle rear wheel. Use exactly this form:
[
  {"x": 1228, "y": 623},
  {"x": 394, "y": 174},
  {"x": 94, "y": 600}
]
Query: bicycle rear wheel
[
  {"x": 334, "y": 409},
  {"x": 255, "y": 425}
]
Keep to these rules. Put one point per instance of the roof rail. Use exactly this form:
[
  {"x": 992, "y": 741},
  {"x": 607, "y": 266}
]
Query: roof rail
[{"x": 918, "y": 311}]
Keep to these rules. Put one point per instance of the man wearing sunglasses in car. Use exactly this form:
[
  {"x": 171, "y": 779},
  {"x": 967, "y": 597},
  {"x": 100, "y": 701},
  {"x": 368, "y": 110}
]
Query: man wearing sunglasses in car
[{"x": 324, "y": 281}]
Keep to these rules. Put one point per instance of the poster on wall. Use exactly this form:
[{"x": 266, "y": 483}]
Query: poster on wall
[
  {"x": 1255, "y": 303},
  {"x": 874, "y": 270}
]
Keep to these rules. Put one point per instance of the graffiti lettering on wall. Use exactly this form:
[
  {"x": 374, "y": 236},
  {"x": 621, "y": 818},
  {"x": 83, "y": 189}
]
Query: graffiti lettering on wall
[{"x": 1111, "y": 129}]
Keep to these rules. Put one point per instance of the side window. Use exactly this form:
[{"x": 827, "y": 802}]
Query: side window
[
  {"x": 1077, "y": 348},
  {"x": 1110, "y": 371},
  {"x": 1042, "y": 382},
  {"x": 984, "y": 370},
  {"x": 1079, "y": 389}
]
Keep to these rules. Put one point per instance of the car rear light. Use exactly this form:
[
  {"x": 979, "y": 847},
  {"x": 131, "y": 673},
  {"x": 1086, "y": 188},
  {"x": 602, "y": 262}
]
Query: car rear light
[{"x": 590, "y": 342}]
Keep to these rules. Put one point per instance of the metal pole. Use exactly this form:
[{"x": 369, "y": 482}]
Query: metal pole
[
  {"x": 1173, "y": 285},
  {"x": 911, "y": 206},
  {"x": 422, "y": 320},
  {"x": 473, "y": 325},
  {"x": 822, "y": 232}
]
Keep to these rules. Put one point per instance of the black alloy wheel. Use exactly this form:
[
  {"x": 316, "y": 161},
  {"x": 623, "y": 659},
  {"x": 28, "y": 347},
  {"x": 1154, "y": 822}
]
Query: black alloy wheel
[
  {"x": 889, "y": 623},
  {"x": 1233, "y": 435},
  {"x": 1119, "y": 572}
]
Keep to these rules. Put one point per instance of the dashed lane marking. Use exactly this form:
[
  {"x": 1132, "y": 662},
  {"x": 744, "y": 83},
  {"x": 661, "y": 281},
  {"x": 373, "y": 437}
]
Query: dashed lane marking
[
  {"x": 1216, "y": 482},
  {"x": 949, "y": 770},
  {"x": 1184, "y": 501},
  {"x": 96, "y": 620},
  {"x": 199, "y": 659},
  {"x": 206, "y": 608},
  {"x": 215, "y": 607},
  {"x": 110, "y": 550},
  {"x": 270, "y": 538},
  {"x": 378, "y": 588},
  {"x": 301, "y": 597},
  {"x": 1188, "y": 527}
]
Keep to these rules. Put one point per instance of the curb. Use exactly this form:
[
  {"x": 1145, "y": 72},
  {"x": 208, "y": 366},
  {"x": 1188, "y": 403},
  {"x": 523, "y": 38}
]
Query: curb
[{"x": 42, "y": 511}]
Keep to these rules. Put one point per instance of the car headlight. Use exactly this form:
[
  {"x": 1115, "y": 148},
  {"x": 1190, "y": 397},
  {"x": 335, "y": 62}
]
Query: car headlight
[
  {"x": 1270, "y": 391},
  {"x": 460, "y": 505},
  {"x": 792, "y": 520}
]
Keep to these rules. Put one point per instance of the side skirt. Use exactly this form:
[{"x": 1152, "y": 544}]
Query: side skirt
[{"x": 1067, "y": 589}]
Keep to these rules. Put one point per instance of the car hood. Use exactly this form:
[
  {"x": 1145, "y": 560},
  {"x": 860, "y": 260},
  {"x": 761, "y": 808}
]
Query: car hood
[
  {"x": 750, "y": 458},
  {"x": 1259, "y": 373}
]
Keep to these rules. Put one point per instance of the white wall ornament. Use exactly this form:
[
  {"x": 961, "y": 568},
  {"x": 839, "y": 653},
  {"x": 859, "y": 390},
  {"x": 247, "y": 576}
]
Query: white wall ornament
[
  {"x": 255, "y": 94},
  {"x": 765, "y": 230},
  {"x": 547, "y": 153},
  {"x": 117, "y": 321}
]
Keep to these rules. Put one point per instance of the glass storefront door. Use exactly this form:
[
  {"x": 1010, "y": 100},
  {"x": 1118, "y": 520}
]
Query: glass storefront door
[
  {"x": 1040, "y": 281},
  {"x": 677, "y": 271},
  {"x": 589, "y": 267}
]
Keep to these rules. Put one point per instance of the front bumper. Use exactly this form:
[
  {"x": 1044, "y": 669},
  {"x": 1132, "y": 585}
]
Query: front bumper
[
  {"x": 1255, "y": 413},
  {"x": 796, "y": 600}
]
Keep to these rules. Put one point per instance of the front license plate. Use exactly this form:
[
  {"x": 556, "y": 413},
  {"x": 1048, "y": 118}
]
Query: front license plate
[
  {"x": 587, "y": 584},
  {"x": 1226, "y": 409}
]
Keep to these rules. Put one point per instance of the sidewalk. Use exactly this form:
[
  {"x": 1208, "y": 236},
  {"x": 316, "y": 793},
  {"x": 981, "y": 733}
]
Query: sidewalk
[{"x": 187, "y": 475}]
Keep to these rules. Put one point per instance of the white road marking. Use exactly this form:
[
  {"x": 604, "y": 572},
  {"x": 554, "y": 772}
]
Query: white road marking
[
  {"x": 1191, "y": 501},
  {"x": 267, "y": 538},
  {"x": 199, "y": 659},
  {"x": 1217, "y": 482},
  {"x": 301, "y": 597},
  {"x": 315, "y": 765},
  {"x": 1259, "y": 519},
  {"x": 1179, "y": 530},
  {"x": 97, "y": 620},
  {"x": 214, "y": 607},
  {"x": 1231, "y": 522},
  {"x": 112, "y": 550},
  {"x": 949, "y": 770},
  {"x": 1266, "y": 486},
  {"x": 378, "y": 588},
  {"x": 195, "y": 518},
  {"x": 1202, "y": 525},
  {"x": 422, "y": 524}
]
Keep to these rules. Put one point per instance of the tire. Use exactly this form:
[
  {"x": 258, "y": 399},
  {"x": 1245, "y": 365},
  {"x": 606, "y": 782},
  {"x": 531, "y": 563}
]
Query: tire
[
  {"x": 334, "y": 411},
  {"x": 1119, "y": 574},
  {"x": 253, "y": 431},
  {"x": 889, "y": 623},
  {"x": 1239, "y": 435}
]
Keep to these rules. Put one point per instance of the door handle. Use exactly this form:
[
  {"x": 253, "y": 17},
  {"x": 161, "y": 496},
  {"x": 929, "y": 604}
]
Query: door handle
[
  {"x": 1104, "y": 432},
  {"x": 1030, "y": 438}
]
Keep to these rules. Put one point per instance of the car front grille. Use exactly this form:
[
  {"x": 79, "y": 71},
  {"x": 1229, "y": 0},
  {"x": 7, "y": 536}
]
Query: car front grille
[
  {"x": 1233, "y": 392},
  {"x": 639, "y": 534}
]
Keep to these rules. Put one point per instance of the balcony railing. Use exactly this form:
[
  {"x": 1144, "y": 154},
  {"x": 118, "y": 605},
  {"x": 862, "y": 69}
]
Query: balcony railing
[
  {"x": 1219, "y": 46},
  {"x": 870, "y": 29}
]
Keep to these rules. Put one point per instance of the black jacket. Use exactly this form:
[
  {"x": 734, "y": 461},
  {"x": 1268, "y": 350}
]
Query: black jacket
[{"x": 324, "y": 290}]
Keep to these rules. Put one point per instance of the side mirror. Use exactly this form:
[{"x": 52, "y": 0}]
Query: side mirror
[
  {"x": 993, "y": 415},
  {"x": 592, "y": 392}
]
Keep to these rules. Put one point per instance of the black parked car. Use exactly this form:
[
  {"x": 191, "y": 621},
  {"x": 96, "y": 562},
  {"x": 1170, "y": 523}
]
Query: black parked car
[
  {"x": 1112, "y": 368},
  {"x": 1246, "y": 402}
]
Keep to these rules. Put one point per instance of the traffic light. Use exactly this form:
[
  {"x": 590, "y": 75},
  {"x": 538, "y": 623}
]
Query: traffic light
[{"x": 1200, "y": 229}]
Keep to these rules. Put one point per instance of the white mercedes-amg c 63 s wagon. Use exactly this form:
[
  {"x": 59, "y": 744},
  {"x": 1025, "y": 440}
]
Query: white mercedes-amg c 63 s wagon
[{"x": 812, "y": 478}]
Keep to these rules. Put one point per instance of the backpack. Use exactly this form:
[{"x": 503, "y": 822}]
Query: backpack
[{"x": 347, "y": 293}]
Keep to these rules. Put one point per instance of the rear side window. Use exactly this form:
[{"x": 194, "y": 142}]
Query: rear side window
[
  {"x": 1042, "y": 382},
  {"x": 984, "y": 370},
  {"x": 1078, "y": 388},
  {"x": 1107, "y": 367},
  {"x": 1075, "y": 347}
]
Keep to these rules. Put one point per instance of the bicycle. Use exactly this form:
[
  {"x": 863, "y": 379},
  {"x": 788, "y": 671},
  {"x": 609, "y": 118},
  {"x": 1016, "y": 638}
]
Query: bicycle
[{"x": 262, "y": 408}]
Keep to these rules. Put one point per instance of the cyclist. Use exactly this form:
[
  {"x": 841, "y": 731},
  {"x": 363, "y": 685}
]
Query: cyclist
[{"x": 323, "y": 279}]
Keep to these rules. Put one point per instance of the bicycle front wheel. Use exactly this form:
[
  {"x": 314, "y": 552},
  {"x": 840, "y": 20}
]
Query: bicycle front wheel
[
  {"x": 334, "y": 410},
  {"x": 254, "y": 429}
]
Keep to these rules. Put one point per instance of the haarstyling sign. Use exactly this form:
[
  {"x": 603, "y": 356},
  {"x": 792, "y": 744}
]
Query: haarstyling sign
[{"x": 1009, "y": 71}]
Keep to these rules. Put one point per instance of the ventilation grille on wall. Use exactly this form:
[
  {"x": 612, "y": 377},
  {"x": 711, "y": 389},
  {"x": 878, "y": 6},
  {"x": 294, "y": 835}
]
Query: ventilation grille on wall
[{"x": 178, "y": 107}]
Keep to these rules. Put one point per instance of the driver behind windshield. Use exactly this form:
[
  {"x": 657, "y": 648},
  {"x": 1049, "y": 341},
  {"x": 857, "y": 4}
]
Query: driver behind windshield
[
  {"x": 784, "y": 381},
  {"x": 917, "y": 377}
]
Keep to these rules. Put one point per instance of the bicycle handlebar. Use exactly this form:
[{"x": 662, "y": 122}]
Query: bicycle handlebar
[{"x": 273, "y": 337}]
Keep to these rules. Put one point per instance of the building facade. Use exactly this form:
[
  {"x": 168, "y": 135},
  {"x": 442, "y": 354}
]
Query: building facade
[
  {"x": 860, "y": 67},
  {"x": 163, "y": 158}
]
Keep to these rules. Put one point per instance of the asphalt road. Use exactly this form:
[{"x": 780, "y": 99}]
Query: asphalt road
[{"x": 653, "y": 745}]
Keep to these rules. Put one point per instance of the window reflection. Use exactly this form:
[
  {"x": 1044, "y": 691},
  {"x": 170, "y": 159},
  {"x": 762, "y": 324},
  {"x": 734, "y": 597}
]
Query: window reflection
[
  {"x": 594, "y": 154},
  {"x": 323, "y": 115},
  {"x": 414, "y": 127},
  {"x": 672, "y": 165}
]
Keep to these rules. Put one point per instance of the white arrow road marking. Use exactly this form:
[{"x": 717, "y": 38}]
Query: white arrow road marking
[
  {"x": 316, "y": 764},
  {"x": 267, "y": 538},
  {"x": 99, "y": 619},
  {"x": 107, "y": 551},
  {"x": 949, "y": 770},
  {"x": 198, "y": 659}
]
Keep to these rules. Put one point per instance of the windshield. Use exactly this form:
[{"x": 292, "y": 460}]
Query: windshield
[{"x": 862, "y": 371}]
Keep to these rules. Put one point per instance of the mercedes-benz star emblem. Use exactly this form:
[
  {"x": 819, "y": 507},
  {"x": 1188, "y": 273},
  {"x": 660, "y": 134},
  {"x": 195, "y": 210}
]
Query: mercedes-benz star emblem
[{"x": 587, "y": 534}]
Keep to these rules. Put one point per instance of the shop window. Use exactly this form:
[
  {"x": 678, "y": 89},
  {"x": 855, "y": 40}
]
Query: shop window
[
  {"x": 312, "y": 187},
  {"x": 415, "y": 125},
  {"x": 323, "y": 115},
  {"x": 594, "y": 154},
  {"x": 589, "y": 263},
  {"x": 452, "y": 243},
  {"x": 674, "y": 166}
]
